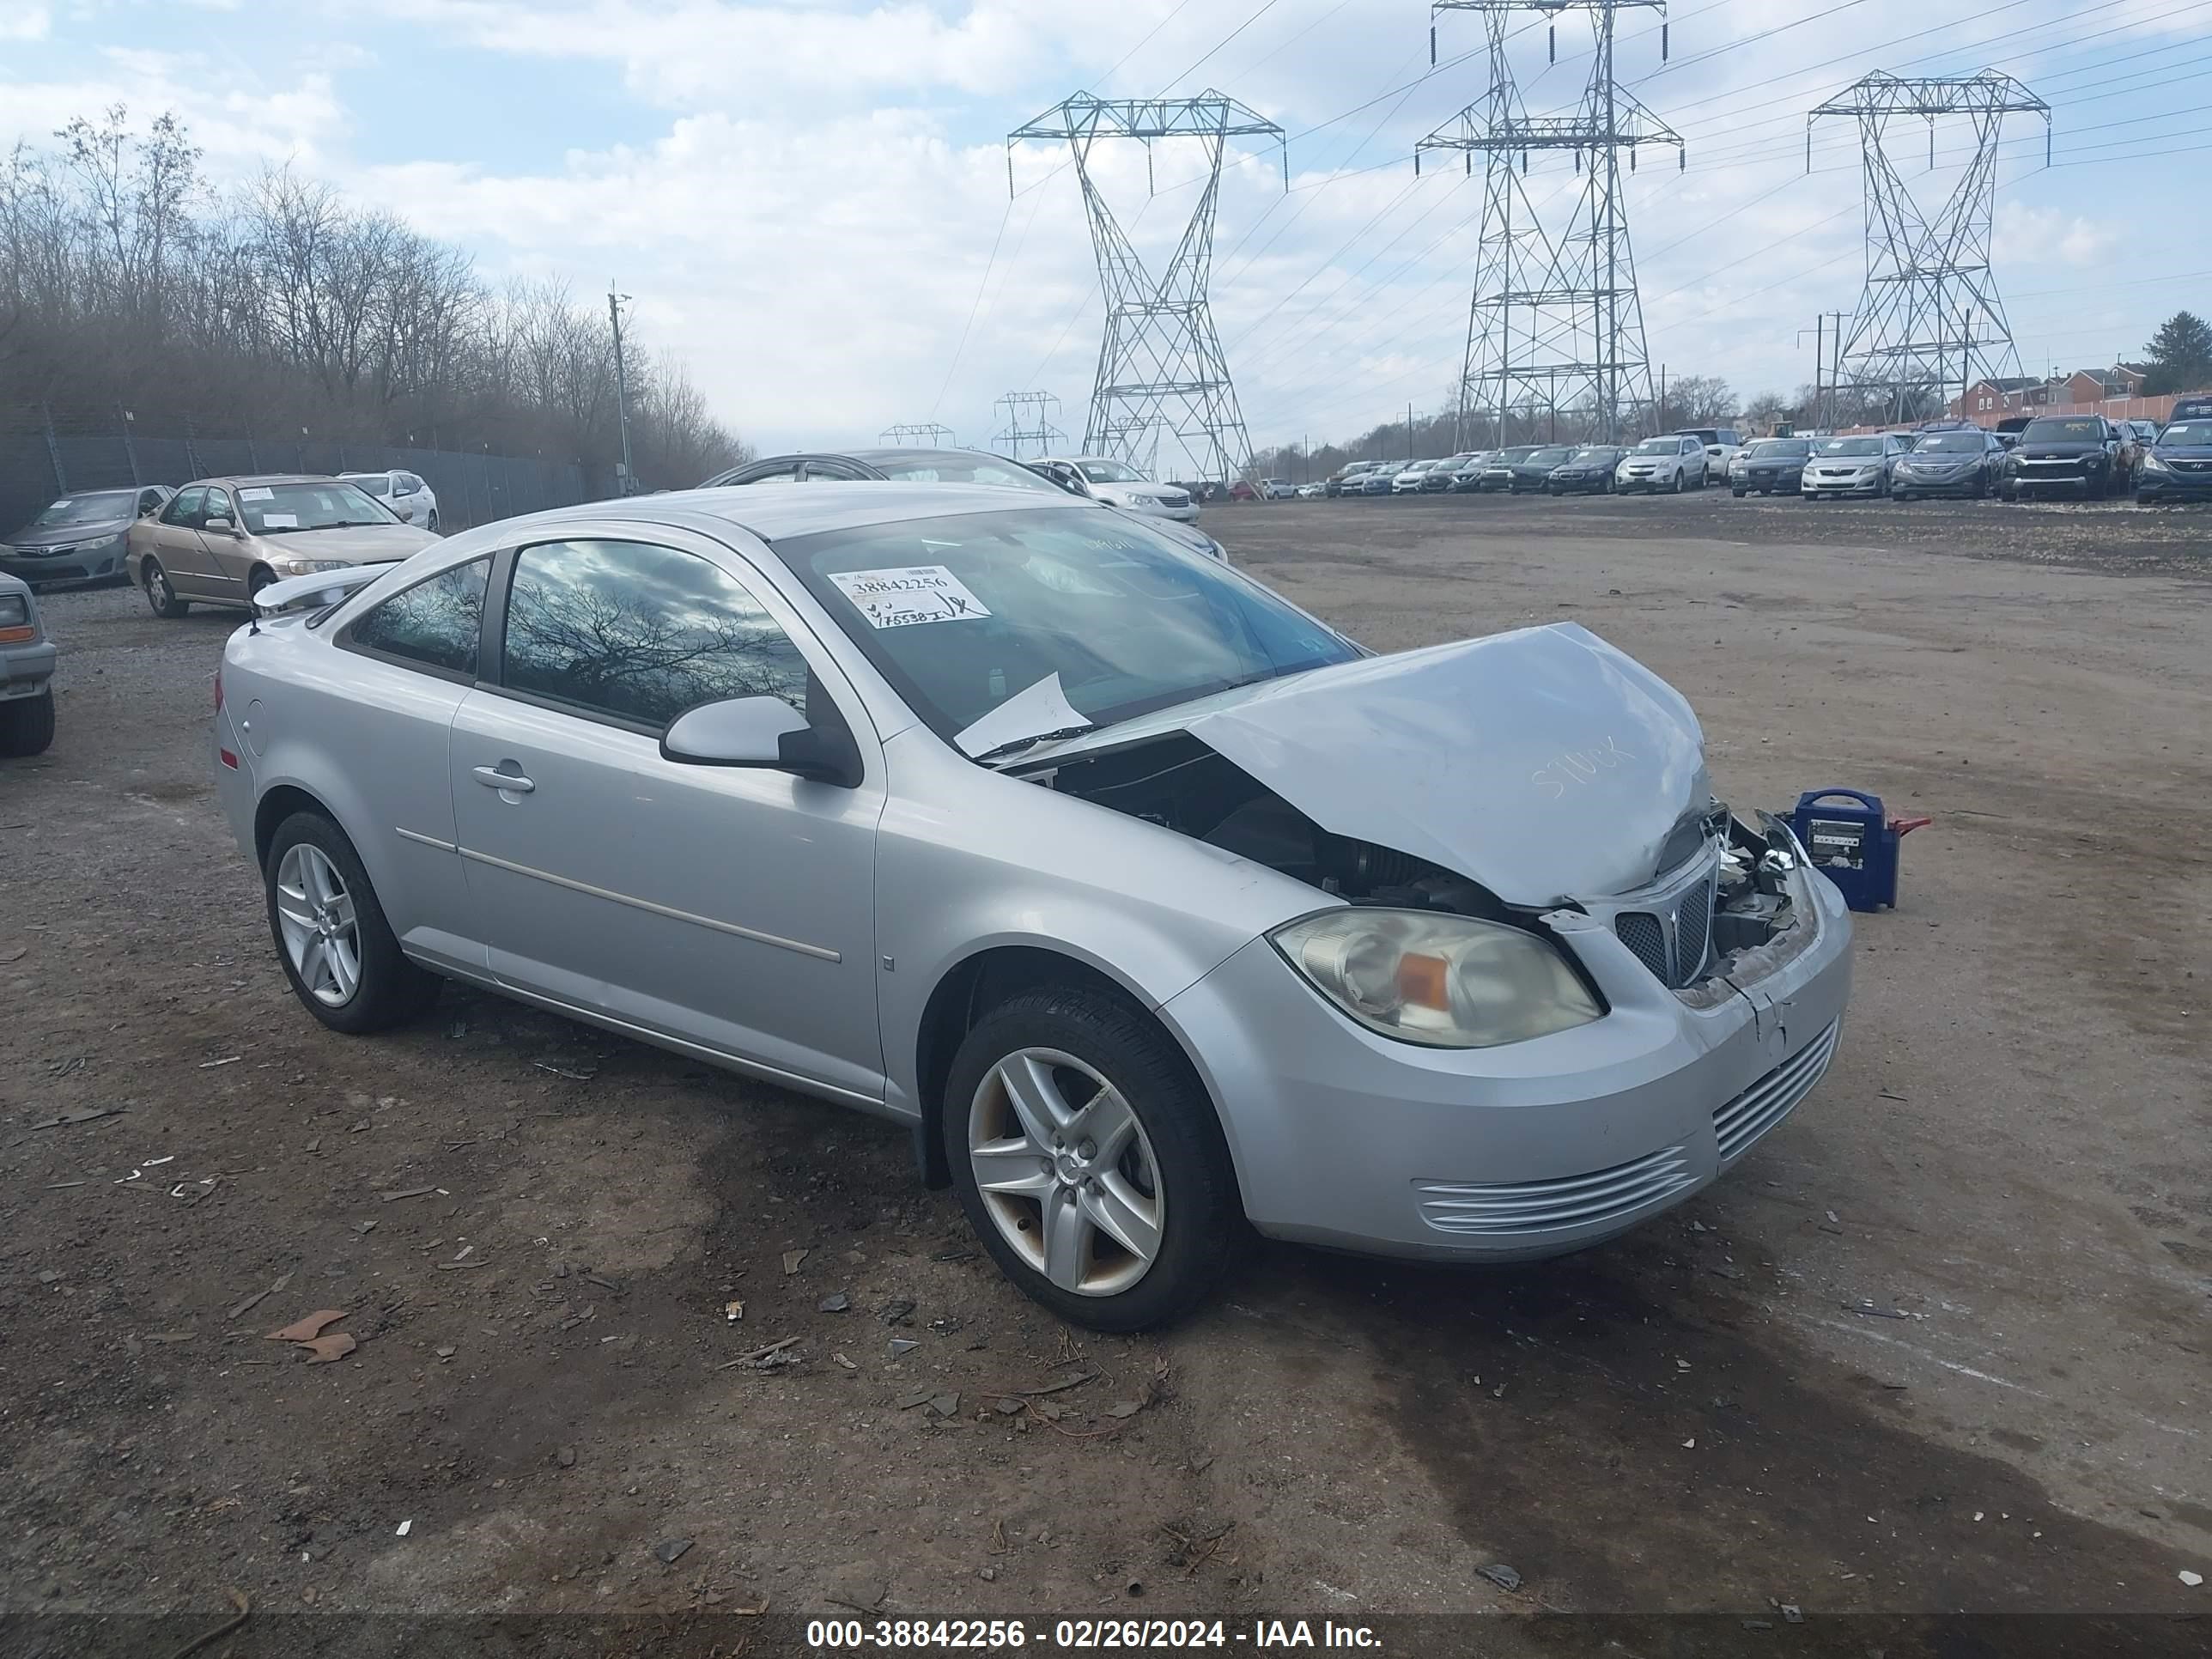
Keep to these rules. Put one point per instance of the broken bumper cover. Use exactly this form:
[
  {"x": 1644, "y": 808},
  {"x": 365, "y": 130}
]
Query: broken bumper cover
[{"x": 1348, "y": 1139}]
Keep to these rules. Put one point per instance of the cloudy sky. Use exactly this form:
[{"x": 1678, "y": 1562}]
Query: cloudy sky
[{"x": 809, "y": 201}]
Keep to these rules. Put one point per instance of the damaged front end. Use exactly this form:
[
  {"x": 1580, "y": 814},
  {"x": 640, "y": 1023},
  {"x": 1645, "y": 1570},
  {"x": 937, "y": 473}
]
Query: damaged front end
[{"x": 1505, "y": 780}]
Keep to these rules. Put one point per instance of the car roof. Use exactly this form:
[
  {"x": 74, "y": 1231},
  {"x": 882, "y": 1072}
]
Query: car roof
[
  {"x": 775, "y": 515},
  {"x": 227, "y": 479}
]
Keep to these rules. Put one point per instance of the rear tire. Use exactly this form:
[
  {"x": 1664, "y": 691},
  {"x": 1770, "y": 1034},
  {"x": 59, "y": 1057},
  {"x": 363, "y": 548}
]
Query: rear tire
[
  {"x": 26, "y": 725},
  {"x": 1176, "y": 1150},
  {"x": 159, "y": 595},
  {"x": 1738, "y": 494},
  {"x": 386, "y": 989}
]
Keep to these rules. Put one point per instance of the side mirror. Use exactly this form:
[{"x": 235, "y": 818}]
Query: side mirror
[
  {"x": 219, "y": 526},
  {"x": 766, "y": 733}
]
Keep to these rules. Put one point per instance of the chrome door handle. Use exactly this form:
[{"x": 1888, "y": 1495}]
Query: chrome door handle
[{"x": 492, "y": 778}]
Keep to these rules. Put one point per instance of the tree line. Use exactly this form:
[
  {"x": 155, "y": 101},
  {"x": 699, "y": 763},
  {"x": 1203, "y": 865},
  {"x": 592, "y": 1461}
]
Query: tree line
[{"x": 128, "y": 280}]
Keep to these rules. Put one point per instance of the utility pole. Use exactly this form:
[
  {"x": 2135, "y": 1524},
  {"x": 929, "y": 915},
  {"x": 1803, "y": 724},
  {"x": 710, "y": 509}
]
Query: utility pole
[
  {"x": 627, "y": 484},
  {"x": 1160, "y": 363},
  {"x": 1927, "y": 273},
  {"x": 1554, "y": 313},
  {"x": 1663, "y": 397}
]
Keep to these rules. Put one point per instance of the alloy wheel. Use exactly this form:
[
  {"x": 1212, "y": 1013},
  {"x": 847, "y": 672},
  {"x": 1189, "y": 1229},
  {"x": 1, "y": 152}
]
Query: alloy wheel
[
  {"x": 316, "y": 916},
  {"x": 1067, "y": 1173},
  {"x": 157, "y": 587}
]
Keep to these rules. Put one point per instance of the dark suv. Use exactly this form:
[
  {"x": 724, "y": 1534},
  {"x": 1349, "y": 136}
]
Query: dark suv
[{"x": 2067, "y": 452}]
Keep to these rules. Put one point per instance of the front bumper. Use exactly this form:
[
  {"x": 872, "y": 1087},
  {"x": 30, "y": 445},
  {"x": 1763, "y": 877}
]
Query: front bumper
[
  {"x": 1645, "y": 478},
  {"x": 1346, "y": 1139},
  {"x": 1767, "y": 480},
  {"x": 79, "y": 561},
  {"x": 1151, "y": 508},
  {"x": 2175, "y": 485},
  {"x": 2063, "y": 475},
  {"x": 1813, "y": 483},
  {"x": 1579, "y": 483},
  {"x": 1956, "y": 483}
]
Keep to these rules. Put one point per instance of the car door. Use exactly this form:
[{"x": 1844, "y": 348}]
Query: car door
[
  {"x": 228, "y": 561},
  {"x": 176, "y": 543},
  {"x": 733, "y": 909}
]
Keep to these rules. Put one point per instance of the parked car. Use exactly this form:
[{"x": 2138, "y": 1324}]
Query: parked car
[
  {"x": 1851, "y": 466},
  {"x": 411, "y": 500},
  {"x": 1409, "y": 480},
  {"x": 1278, "y": 489},
  {"x": 2190, "y": 409},
  {"x": 82, "y": 538},
  {"x": 220, "y": 541},
  {"x": 911, "y": 465},
  {"x": 1439, "y": 478},
  {"x": 27, "y": 672},
  {"x": 1768, "y": 465},
  {"x": 818, "y": 785},
  {"x": 1497, "y": 472},
  {"x": 2081, "y": 452},
  {"x": 1676, "y": 462},
  {"x": 2179, "y": 466},
  {"x": 1380, "y": 479},
  {"x": 1533, "y": 472},
  {"x": 1318, "y": 490},
  {"x": 1721, "y": 444},
  {"x": 1119, "y": 484},
  {"x": 1466, "y": 478},
  {"x": 1960, "y": 461},
  {"x": 1588, "y": 470}
]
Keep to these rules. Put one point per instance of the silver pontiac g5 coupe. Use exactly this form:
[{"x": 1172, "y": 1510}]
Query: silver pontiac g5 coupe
[{"x": 1152, "y": 905}]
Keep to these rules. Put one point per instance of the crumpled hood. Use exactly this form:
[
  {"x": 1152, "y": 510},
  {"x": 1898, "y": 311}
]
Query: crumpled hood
[{"x": 1544, "y": 763}]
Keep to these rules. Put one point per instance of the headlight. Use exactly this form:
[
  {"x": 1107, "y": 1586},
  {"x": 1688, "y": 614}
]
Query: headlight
[
  {"x": 1447, "y": 981},
  {"x": 309, "y": 566},
  {"x": 2152, "y": 463}
]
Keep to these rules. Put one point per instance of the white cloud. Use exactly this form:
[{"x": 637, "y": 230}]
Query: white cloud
[
  {"x": 2040, "y": 235},
  {"x": 23, "y": 21}
]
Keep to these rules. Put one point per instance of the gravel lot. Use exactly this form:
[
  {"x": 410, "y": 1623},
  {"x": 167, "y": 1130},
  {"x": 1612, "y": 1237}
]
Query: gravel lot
[{"x": 2011, "y": 1161}]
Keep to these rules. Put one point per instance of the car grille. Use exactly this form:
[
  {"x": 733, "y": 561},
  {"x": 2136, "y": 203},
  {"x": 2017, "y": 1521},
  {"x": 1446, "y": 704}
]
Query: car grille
[
  {"x": 1767, "y": 1102},
  {"x": 1492, "y": 1210},
  {"x": 2190, "y": 466},
  {"x": 1174, "y": 498},
  {"x": 1647, "y": 934},
  {"x": 57, "y": 573}
]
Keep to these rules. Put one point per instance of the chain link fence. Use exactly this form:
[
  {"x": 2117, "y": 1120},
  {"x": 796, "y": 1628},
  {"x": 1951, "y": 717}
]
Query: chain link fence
[{"x": 44, "y": 455}]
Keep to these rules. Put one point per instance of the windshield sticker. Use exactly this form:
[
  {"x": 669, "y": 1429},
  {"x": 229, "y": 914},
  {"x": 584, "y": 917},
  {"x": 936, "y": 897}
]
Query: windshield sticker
[
  {"x": 280, "y": 521},
  {"x": 902, "y": 599},
  {"x": 257, "y": 493},
  {"x": 58, "y": 505}
]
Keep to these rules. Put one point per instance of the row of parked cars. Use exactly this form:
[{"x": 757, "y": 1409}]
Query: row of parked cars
[{"x": 2080, "y": 455}]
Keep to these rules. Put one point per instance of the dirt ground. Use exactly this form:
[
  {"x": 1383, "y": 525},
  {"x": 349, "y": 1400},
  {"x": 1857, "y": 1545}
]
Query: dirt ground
[{"x": 1938, "y": 1345}]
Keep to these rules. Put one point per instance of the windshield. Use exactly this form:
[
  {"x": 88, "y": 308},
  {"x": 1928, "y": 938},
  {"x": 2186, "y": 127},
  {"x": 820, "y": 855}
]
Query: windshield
[
  {"x": 962, "y": 614},
  {"x": 1851, "y": 446},
  {"x": 380, "y": 485},
  {"x": 1595, "y": 455},
  {"x": 100, "y": 506},
  {"x": 1951, "y": 443},
  {"x": 979, "y": 468},
  {"x": 1778, "y": 449},
  {"x": 1111, "y": 472},
  {"x": 2063, "y": 431},
  {"x": 284, "y": 509},
  {"x": 1509, "y": 457},
  {"x": 1660, "y": 447},
  {"x": 2187, "y": 432},
  {"x": 1549, "y": 456}
]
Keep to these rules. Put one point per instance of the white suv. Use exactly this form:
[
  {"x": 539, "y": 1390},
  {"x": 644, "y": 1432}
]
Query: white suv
[
  {"x": 411, "y": 501},
  {"x": 1721, "y": 444},
  {"x": 1676, "y": 462}
]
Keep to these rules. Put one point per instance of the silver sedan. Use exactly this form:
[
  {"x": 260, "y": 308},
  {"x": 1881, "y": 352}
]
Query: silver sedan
[{"x": 1151, "y": 905}]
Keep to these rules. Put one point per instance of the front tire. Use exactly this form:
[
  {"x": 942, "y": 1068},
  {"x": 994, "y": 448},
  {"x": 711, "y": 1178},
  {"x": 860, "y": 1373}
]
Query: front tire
[
  {"x": 1088, "y": 1157},
  {"x": 1738, "y": 494},
  {"x": 1678, "y": 481},
  {"x": 159, "y": 595},
  {"x": 338, "y": 952},
  {"x": 26, "y": 725}
]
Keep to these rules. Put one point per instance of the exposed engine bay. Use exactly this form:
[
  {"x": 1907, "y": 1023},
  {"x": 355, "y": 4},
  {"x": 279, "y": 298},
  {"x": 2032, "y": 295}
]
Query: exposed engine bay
[{"x": 1180, "y": 783}]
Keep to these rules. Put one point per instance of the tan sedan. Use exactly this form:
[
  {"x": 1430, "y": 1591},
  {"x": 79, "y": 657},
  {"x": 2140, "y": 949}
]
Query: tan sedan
[{"x": 220, "y": 541}]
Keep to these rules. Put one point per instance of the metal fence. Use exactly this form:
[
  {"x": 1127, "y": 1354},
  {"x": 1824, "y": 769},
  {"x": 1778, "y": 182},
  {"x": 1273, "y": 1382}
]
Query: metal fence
[{"x": 40, "y": 460}]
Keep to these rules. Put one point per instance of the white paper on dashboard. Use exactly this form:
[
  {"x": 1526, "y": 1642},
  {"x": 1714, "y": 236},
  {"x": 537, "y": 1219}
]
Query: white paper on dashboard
[
  {"x": 280, "y": 521},
  {"x": 257, "y": 493}
]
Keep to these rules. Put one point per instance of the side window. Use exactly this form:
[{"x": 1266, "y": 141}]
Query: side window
[
  {"x": 435, "y": 623},
  {"x": 639, "y": 632},
  {"x": 185, "y": 511},
  {"x": 218, "y": 507},
  {"x": 148, "y": 499}
]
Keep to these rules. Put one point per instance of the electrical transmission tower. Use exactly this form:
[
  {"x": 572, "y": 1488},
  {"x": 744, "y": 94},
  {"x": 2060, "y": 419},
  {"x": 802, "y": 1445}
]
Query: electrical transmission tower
[
  {"x": 917, "y": 432},
  {"x": 1035, "y": 429},
  {"x": 1555, "y": 322},
  {"x": 1160, "y": 363},
  {"x": 1929, "y": 319}
]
